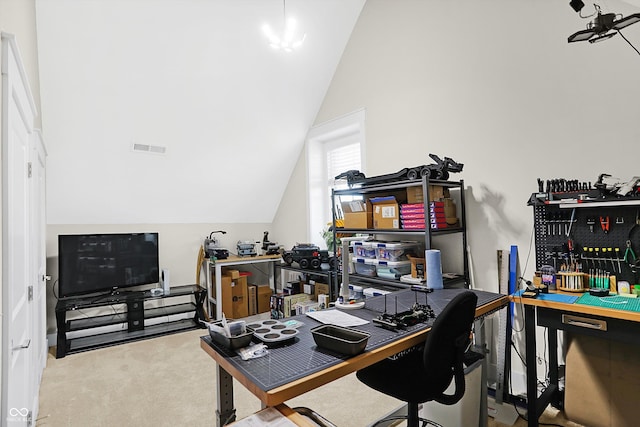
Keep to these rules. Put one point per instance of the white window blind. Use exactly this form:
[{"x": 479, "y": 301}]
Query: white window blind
[{"x": 342, "y": 159}]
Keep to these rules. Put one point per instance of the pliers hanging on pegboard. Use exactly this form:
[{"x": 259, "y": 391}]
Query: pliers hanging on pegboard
[
  {"x": 630, "y": 256},
  {"x": 604, "y": 223}
]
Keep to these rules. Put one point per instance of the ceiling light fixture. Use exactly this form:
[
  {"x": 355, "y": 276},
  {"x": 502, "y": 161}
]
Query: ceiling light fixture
[
  {"x": 287, "y": 42},
  {"x": 603, "y": 27}
]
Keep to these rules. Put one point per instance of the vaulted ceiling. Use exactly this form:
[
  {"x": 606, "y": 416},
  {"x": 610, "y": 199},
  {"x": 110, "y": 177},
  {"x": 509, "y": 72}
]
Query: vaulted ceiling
[{"x": 196, "y": 77}]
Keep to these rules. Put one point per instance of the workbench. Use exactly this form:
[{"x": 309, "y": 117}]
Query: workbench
[
  {"x": 564, "y": 312},
  {"x": 291, "y": 370}
]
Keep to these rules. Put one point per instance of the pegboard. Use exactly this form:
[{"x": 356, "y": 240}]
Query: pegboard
[{"x": 593, "y": 247}]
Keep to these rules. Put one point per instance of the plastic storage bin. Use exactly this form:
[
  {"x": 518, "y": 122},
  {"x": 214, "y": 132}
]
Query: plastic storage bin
[
  {"x": 365, "y": 266},
  {"x": 374, "y": 292},
  {"x": 393, "y": 269},
  {"x": 395, "y": 251},
  {"x": 364, "y": 249},
  {"x": 467, "y": 411}
]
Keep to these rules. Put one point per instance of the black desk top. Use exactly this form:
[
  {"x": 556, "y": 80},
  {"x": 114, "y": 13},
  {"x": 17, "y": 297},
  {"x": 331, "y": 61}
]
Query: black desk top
[{"x": 301, "y": 357}]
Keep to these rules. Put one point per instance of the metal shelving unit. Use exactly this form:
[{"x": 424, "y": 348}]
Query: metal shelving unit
[{"x": 427, "y": 234}]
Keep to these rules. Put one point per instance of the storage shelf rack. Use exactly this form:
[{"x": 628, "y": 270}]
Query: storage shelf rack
[{"x": 427, "y": 234}]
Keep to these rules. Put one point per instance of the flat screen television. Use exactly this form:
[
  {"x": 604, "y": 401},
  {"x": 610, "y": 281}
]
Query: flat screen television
[{"x": 101, "y": 263}]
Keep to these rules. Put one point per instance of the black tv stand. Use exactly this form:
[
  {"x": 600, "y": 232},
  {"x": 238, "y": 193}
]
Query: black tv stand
[{"x": 139, "y": 308}]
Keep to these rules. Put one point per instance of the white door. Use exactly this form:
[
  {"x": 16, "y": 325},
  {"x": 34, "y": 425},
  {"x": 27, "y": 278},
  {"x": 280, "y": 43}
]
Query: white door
[
  {"x": 18, "y": 112},
  {"x": 38, "y": 257}
]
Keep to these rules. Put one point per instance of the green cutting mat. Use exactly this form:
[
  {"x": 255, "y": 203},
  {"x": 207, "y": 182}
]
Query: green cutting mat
[{"x": 613, "y": 301}]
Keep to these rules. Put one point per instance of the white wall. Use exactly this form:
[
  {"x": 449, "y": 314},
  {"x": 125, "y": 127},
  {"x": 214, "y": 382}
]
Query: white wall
[
  {"x": 197, "y": 77},
  {"x": 494, "y": 85}
]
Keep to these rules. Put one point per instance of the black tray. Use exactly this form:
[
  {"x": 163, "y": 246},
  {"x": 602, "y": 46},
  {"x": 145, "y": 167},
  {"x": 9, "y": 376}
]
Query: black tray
[{"x": 339, "y": 339}]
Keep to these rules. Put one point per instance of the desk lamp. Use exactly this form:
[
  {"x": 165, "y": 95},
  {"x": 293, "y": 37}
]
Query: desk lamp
[{"x": 344, "y": 288}]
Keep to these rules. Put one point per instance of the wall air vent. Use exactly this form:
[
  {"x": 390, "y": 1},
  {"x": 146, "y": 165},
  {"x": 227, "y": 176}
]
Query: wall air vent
[{"x": 145, "y": 148}]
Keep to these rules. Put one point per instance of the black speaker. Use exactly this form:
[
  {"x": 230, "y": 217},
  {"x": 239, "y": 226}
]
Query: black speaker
[{"x": 135, "y": 313}]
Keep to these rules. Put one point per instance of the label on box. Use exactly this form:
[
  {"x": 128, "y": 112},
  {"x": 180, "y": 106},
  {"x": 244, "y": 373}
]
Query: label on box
[
  {"x": 413, "y": 216},
  {"x": 411, "y": 211},
  {"x": 356, "y": 206},
  {"x": 388, "y": 211},
  {"x": 413, "y": 226}
]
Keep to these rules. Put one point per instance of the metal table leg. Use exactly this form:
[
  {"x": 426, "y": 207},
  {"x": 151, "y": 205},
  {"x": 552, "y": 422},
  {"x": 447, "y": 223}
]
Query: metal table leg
[{"x": 226, "y": 413}]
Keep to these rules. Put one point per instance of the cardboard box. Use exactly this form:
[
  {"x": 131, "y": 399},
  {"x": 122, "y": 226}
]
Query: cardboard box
[
  {"x": 240, "y": 297},
  {"x": 253, "y": 299},
  {"x": 226, "y": 271},
  {"x": 418, "y": 267},
  {"x": 308, "y": 288},
  {"x": 436, "y": 193},
  {"x": 386, "y": 212},
  {"x": 226, "y": 299},
  {"x": 357, "y": 214},
  {"x": 602, "y": 382},
  {"x": 450, "y": 211},
  {"x": 320, "y": 288},
  {"x": 290, "y": 302},
  {"x": 307, "y": 306},
  {"x": 263, "y": 296},
  {"x": 235, "y": 297}
]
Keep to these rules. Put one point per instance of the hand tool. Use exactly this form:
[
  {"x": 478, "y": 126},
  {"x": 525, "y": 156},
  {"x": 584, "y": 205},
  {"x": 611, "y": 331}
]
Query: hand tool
[
  {"x": 585, "y": 258},
  {"x": 618, "y": 259},
  {"x": 610, "y": 251},
  {"x": 591, "y": 222},
  {"x": 573, "y": 214},
  {"x": 629, "y": 255},
  {"x": 604, "y": 223}
]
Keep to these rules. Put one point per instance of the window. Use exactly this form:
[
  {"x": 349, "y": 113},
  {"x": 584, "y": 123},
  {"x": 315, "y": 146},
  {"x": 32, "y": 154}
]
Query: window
[{"x": 332, "y": 148}]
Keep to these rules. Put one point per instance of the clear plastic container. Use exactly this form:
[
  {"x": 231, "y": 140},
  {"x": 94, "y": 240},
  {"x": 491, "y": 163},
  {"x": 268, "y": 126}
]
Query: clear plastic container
[
  {"x": 395, "y": 251},
  {"x": 393, "y": 269},
  {"x": 365, "y": 266},
  {"x": 364, "y": 249}
]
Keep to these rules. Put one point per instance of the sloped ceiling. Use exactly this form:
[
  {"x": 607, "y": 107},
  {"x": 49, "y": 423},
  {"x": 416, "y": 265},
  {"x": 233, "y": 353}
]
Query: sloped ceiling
[{"x": 194, "y": 76}]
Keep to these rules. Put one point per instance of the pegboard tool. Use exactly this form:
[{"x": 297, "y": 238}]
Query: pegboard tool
[
  {"x": 604, "y": 223},
  {"x": 629, "y": 255}
]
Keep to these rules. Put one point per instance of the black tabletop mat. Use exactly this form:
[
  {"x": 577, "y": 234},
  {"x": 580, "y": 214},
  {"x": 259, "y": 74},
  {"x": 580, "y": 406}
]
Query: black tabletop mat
[{"x": 301, "y": 357}]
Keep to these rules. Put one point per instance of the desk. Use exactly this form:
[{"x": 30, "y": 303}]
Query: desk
[
  {"x": 233, "y": 260},
  {"x": 600, "y": 322},
  {"x": 289, "y": 371}
]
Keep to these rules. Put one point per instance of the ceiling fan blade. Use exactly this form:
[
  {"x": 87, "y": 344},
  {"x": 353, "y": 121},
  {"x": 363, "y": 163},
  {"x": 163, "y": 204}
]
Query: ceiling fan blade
[
  {"x": 626, "y": 21},
  {"x": 581, "y": 36}
]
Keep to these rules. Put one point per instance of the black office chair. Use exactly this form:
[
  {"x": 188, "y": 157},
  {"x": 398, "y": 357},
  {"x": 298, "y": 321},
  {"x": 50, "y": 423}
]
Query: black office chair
[{"x": 423, "y": 376}]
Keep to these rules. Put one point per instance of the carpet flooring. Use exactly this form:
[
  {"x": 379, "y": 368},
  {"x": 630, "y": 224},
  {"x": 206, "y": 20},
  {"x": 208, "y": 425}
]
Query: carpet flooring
[{"x": 170, "y": 381}]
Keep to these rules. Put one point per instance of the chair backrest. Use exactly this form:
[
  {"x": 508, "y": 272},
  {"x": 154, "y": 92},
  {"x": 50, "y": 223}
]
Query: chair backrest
[{"x": 446, "y": 344}]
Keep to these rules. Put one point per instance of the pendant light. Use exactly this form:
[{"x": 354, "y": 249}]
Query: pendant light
[{"x": 288, "y": 41}]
